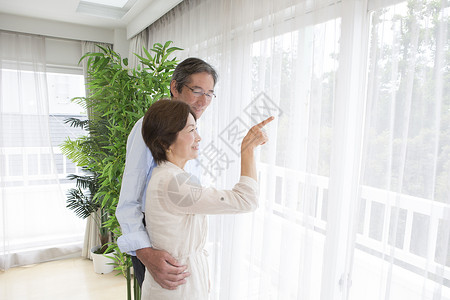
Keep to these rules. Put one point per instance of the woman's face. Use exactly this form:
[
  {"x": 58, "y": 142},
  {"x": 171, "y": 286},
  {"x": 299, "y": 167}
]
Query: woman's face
[{"x": 185, "y": 146}]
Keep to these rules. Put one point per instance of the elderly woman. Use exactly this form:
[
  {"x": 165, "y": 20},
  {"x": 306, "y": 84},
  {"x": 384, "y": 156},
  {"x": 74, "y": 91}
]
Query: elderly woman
[{"x": 177, "y": 205}]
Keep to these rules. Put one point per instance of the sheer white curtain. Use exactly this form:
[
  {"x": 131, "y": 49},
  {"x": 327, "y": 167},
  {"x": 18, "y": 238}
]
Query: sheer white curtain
[
  {"x": 308, "y": 64},
  {"x": 403, "y": 231},
  {"x": 91, "y": 235},
  {"x": 35, "y": 225},
  {"x": 136, "y": 44}
]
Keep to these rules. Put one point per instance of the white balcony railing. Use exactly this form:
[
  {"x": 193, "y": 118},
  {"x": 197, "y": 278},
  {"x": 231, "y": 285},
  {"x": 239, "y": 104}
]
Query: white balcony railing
[
  {"x": 302, "y": 198},
  {"x": 26, "y": 165}
]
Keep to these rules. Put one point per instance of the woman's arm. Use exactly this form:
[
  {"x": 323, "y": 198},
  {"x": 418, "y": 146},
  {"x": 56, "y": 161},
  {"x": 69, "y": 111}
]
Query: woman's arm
[
  {"x": 186, "y": 195},
  {"x": 181, "y": 193},
  {"x": 255, "y": 137}
]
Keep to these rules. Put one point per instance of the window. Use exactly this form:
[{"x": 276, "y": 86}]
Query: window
[
  {"x": 62, "y": 88},
  {"x": 403, "y": 242},
  {"x": 33, "y": 181}
]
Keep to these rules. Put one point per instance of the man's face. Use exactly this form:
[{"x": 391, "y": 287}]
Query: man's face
[{"x": 198, "y": 81}]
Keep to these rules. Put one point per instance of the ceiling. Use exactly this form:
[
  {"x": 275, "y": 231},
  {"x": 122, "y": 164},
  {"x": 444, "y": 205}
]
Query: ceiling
[{"x": 66, "y": 11}]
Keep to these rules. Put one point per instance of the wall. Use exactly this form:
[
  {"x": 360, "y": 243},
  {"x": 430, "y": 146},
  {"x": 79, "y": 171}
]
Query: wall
[{"x": 67, "y": 31}]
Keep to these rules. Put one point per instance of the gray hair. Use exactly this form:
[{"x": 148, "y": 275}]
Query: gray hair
[{"x": 190, "y": 66}]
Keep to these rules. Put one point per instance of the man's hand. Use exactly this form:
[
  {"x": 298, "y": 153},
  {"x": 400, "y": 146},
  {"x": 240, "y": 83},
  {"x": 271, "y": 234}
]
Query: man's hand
[{"x": 166, "y": 270}]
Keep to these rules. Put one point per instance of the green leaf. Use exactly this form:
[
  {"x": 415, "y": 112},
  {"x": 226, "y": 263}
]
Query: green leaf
[
  {"x": 105, "y": 50},
  {"x": 149, "y": 56},
  {"x": 167, "y": 44}
]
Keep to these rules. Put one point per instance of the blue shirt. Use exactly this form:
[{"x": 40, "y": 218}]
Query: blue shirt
[{"x": 129, "y": 212}]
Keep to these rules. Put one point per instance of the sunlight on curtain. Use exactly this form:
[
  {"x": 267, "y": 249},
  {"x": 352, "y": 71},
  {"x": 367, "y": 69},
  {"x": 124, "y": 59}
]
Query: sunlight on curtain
[
  {"x": 305, "y": 62},
  {"x": 91, "y": 234},
  {"x": 272, "y": 59},
  {"x": 35, "y": 225},
  {"x": 402, "y": 246}
]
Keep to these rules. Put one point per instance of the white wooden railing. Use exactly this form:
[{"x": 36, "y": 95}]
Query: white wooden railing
[
  {"x": 26, "y": 156},
  {"x": 311, "y": 191}
]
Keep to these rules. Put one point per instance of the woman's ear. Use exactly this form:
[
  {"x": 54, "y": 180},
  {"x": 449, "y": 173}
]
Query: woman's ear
[
  {"x": 157, "y": 143},
  {"x": 163, "y": 145}
]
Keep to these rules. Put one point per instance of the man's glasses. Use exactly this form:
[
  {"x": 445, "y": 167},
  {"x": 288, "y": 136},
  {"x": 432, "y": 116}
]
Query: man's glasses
[{"x": 198, "y": 92}]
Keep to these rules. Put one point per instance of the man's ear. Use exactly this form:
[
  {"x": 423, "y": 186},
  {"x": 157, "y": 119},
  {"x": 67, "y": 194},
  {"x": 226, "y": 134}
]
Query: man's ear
[{"x": 173, "y": 89}]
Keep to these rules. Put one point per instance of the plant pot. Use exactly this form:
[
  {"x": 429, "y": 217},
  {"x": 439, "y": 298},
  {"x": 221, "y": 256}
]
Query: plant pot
[{"x": 103, "y": 263}]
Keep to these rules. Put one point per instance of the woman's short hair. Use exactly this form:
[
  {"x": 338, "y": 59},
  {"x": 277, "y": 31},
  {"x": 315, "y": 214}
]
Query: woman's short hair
[
  {"x": 189, "y": 66},
  {"x": 161, "y": 124}
]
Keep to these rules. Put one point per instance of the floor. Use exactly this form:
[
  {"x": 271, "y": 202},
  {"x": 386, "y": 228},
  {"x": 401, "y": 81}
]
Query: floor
[{"x": 63, "y": 279}]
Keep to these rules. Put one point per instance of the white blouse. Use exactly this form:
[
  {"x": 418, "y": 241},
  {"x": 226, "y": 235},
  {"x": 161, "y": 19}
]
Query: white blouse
[{"x": 175, "y": 214}]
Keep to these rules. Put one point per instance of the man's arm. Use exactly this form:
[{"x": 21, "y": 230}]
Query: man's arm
[
  {"x": 134, "y": 181},
  {"x": 134, "y": 239}
]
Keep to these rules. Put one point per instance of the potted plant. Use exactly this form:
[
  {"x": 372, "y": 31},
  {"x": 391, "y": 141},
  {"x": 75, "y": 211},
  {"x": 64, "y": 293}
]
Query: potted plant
[
  {"x": 117, "y": 97},
  {"x": 81, "y": 198}
]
